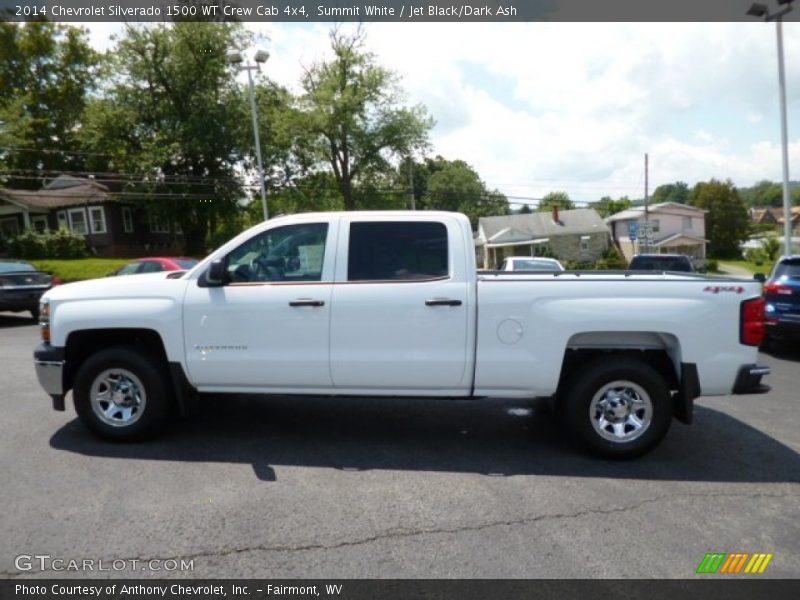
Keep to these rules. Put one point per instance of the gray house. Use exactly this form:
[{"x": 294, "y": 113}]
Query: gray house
[{"x": 578, "y": 235}]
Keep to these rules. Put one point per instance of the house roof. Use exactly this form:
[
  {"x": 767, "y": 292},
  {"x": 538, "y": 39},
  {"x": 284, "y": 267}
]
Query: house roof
[
  {"x": 679, "y": 236},
  {"x": 64, "y": 190},
  {"x": 528, "y": 227},
  {"x": 660, "y": 208}
]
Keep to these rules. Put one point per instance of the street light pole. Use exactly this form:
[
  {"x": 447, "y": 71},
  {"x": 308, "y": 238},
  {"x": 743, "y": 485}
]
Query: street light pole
[
  {"x": 787, "y": 211},
  {"x": 760, "y": 10},
  {"x": 260, "y": 58}
]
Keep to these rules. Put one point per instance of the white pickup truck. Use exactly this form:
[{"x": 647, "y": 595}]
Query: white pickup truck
[{"x": 391, "y": 304}]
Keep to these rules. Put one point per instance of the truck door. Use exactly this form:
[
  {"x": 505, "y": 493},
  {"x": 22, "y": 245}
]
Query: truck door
[
  {"x": 268, "y": 326},
  {"x": 400, "y": 308}
]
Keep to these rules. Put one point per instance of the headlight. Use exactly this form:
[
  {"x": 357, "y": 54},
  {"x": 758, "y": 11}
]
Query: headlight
[{"x": 44, "y": 320}]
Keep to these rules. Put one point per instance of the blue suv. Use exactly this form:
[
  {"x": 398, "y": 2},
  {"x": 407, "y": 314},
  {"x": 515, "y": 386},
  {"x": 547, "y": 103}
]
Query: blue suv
[{"x": 782, "y": 300}]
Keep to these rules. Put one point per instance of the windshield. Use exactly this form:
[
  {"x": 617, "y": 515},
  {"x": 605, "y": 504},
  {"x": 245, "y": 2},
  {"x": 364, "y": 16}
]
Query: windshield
[
  {"x": 12, "y": 267},
  {"x": 535, "y": 265}
]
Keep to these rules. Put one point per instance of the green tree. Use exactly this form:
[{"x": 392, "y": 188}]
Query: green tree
[
  {"x": 525, "y": 209},
  {"x": 46, "y": 73},
  {"x": 560, "y": 199},
  {"x": 763, "y": 193},
  {"x": 173, "y": 120},
  {"x": 727, "y": 221},
  {"x": 456, "y": 186},
  {"x": 354, "y": 116},
  {"x": 671, "y": 192},
  {"x": 608, "y": 206},
  {"x": 771, "y": 247}
]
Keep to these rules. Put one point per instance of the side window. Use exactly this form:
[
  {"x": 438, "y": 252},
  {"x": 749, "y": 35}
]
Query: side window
[
  {"x": 129, "y": 269},
  {"x": 151, "y": 266},
  {"x": 290, "y": 253},
  {"x": 397, "y": 251}
]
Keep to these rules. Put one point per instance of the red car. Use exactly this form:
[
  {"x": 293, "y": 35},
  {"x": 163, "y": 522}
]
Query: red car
[{"x": 156, "y": 264}]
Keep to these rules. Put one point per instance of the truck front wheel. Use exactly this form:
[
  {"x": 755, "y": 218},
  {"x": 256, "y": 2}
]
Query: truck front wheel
[
  {"x": 121, "y": 395},
  {"x": 618, "y": 407}
]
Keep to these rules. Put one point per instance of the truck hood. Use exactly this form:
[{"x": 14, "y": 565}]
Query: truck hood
[{"x": 129, "y": 286}]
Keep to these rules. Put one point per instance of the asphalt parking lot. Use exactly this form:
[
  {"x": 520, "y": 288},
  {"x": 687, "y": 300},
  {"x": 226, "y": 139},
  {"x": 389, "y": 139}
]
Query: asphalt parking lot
[{"x": 371, "y": 488}]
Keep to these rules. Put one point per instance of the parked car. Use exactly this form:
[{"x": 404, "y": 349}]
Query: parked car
[
  {"x": 156, "y": 264},
  {"x": 530, "y": 263},
  {"x": 782, "y": 300},
  {"x": 661, "y": 262},
  {"x": 391, "y": 304},
  {"x": 22, "y": 285}
]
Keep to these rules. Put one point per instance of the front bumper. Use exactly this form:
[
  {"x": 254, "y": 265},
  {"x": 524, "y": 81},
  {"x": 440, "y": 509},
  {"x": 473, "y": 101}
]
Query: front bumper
[
  {"x": 49, "y": 363},
  {"x": 748, "y": 381}
]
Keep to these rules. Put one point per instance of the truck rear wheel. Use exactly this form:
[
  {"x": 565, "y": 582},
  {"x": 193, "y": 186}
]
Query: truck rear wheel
[
  {"x": 121, "y": 395},
  {"x": 618, "y": 407}
]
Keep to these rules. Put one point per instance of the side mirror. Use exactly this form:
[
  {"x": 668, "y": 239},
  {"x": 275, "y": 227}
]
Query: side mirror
[
  {"x": 215, "y": 275},
  {"x": 760, "y": 277}
]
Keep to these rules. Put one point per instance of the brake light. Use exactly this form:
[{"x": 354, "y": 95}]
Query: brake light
[
  {"x": 751, "y": 322},
  {"x": 56, "y": 281},
  {"x": 777, "y": 288}
]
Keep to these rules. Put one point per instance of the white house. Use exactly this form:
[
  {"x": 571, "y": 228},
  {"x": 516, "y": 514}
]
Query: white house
[{"x": 677, "y": 229}]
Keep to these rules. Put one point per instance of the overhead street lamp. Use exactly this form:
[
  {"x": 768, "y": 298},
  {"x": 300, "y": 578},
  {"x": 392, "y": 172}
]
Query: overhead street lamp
[
  {"x": 761, "y": 11},
  {"x": 236, "y": 59}
]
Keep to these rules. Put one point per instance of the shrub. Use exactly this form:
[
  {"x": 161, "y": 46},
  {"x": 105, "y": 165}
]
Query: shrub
[
  {"x": 612, "y": 259},
  {"x": 712, "y": 265},
  {"x": 60, "y": 244}
]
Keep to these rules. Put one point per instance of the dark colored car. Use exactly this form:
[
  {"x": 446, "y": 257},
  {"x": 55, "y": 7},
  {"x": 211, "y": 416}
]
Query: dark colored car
[
  {"x": 782, "y": 300},
  {"x": 156, "y": 264},
  {"x": 661, "y": 262},
  {"x": 21, "y": 286}
]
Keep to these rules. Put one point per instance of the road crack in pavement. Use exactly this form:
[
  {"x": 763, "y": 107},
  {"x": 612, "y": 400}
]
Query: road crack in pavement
[{"x": 401, "y": 533}]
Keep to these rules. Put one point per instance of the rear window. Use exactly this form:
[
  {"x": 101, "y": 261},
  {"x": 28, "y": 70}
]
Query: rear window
[
  {"x": 661, "y": 263},
  {"x": 186, "y": 263},
  {"x": 787, "y": 268},
  {"x": 397, "y": 251},
  {"x": 14, "y": 267}
]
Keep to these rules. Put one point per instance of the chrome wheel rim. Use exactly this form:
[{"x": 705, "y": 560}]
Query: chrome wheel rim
[
  {"x": 621, "y": 411},
  {"x": 118, "y": 397}
]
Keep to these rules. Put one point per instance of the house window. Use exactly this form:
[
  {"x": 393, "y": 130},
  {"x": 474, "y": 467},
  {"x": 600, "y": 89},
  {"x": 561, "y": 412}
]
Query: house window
[
  {"x": 655, "y": 225},
  {"x": 687, "y": 222},
  {"x": 127, "y": 219},
  {"x": 97, "y": 219},
  {"x": 158, "y": 224},
  {"x": 540, "y": 248},
  {"x": 39, "y": 223},
  {"x": 397, "y": 251},
  {"x": 62, "y": 219},
  {"x": 77, "y": 221},
  {"x": 585, "y": 244}
]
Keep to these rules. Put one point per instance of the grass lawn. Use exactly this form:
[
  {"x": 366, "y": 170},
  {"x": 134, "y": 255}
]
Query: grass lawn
[
  {"x": 743, "y": 264},
  {"x": 75, "y": 269}
]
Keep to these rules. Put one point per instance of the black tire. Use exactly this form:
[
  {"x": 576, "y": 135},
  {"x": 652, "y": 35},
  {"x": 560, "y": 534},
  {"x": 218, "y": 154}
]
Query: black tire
[
  {"x": 648, "y": 387},
  {"x": 136, "y": 376}
]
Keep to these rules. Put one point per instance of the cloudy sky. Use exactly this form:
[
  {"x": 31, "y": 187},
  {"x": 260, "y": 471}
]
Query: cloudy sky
[{"x": 537, "y": 107}]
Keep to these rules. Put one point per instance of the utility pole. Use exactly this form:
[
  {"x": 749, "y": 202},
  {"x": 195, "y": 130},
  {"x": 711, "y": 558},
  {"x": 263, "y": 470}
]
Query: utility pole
[
  {"x": 646, "y": 209},
  {"x": 411, "y": 183}
]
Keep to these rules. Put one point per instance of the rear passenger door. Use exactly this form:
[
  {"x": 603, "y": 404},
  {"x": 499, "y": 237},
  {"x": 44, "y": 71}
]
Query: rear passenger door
[{"x": 399, "y": 308}]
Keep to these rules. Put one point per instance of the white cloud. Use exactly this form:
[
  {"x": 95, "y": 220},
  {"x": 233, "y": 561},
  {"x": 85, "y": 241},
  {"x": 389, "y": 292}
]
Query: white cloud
[{"x": 574, "y": 106}]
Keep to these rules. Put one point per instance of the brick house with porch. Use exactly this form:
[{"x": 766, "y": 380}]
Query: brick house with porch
[{"x": 112, "y": 227}]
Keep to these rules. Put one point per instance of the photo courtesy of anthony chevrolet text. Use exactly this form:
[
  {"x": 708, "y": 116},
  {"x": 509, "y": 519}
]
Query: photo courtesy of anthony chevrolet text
[{"x": 399, "y": 299}]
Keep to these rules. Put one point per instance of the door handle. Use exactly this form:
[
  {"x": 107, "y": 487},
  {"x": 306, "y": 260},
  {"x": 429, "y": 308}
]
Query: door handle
[
  {"x": 306, "y": 302},
  {"x": 442, "y": 302}
]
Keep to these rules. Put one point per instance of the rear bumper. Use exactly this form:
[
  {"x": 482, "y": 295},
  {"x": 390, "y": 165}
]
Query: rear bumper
[
  {"x": 783, "y": 329},
  {"x": 748, "y": 380},
  {"x": 49, "y": 363}
]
